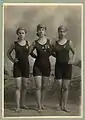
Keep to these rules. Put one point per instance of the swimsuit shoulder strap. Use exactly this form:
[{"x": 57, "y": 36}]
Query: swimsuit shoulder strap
[
  {"x": 15, "y": 43},
  {"x": 49, "y": 41},
  {"x": 27, "y": 43},
  {"x": 68, "y": 43}
]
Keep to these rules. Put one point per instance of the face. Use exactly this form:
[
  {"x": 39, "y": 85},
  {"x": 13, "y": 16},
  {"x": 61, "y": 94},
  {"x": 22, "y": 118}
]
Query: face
[
  {"x": 62, "y": 33},
  {"x": 21, "y": 34},
  {"x": 41, "y": 32}
]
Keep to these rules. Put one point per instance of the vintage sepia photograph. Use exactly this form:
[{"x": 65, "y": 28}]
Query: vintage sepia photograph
[{"x": 43, "y": 60}]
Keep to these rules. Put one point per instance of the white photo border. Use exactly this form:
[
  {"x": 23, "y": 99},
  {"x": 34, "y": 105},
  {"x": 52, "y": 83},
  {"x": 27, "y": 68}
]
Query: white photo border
[{"x": 82, "y": 74}]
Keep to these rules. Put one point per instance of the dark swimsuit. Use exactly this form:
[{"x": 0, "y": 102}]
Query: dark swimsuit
[
  {"x": 42, "y": 63},
  {"x": 63, "y": 70},
  {"x": 21, "y": 68}
]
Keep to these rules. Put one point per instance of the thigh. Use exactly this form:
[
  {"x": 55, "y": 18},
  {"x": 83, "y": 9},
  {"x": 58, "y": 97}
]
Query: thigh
[
  {"x": 59, "y": 83},
  {"x": 18, "y": 81},
  {"x": 38, "y": 81},
  {"x": 25, "y": 82},
  {"x": 45, "y": 81},
  {"x": 65, "y": 84}
]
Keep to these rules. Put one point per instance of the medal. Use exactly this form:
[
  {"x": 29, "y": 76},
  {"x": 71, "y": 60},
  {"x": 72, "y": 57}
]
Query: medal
[
  {"x": 43, "y": 48},
  {"x": 26, "y": 47},
  {"x": 64, "y": 46},
  {"x": 48, "y": 47}
]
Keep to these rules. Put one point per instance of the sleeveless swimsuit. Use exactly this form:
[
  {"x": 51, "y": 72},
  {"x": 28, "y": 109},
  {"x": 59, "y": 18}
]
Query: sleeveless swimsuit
[
  {"x": 42, "y": 63},
  {"x": 21, "y": 68},
  {"x": 63, "y": 70}
]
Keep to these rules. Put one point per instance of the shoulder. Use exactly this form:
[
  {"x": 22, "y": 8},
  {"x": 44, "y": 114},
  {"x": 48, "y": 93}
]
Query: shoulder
[
  {"x": 13, "y": 44},
  {"x": 70, "y": 42},
  {"x": 54, "y": 41},
  {"x": 49, "y": 40},
  {"x": 28, "y": 42},
  {"x": 34, "y": 42}
]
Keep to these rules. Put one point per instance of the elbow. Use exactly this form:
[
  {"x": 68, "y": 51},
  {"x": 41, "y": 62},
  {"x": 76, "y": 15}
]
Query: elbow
[
  {"x": 74, "y": 52},
  {"x": 8, "y": 54}
]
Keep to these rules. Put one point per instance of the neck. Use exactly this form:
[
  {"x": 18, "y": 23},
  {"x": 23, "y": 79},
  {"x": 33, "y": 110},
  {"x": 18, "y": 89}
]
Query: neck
[
  {"x": 42, "y": 37},
  {"x": 62, "y": 38},
  {"x": 20, "y": 39}
]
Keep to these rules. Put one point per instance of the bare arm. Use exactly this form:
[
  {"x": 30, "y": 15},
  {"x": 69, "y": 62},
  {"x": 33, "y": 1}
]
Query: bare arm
[
  {"x": 71, "y": 47},
  {"x": 52, "y": 49},
  {"x": 73, "y": 52},
  {"x": 31, "y": 49},
  {"x": 29, "y": 44},
  {"x": 9, "y": 53}
]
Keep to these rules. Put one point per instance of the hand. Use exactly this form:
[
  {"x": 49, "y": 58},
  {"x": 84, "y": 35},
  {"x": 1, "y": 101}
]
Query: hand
[
  {"x": 71, "y": 61},
  {"x": 16, "y": 60}
]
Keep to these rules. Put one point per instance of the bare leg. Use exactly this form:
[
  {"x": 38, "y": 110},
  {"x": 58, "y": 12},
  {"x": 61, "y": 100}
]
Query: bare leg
[
  {"x": 59, "y": 93},
  {"x": 43, "y": 90},
  {"x": 38, "y": 82},
  {"x": 23, "y": 92},
  {"x": 18, "y": 90},
  {"x": 65, "y": 86}
]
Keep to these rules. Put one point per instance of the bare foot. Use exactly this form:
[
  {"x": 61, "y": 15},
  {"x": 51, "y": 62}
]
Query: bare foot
[
  {"x": 39, "y": 110},
  {"x": 17, "y": 109},
  {"x": 24, "y": 107},
  {"x": 59, "y": 108},
  {"x": 65, "y": 109},
  {"x": 43, "y": 107}
]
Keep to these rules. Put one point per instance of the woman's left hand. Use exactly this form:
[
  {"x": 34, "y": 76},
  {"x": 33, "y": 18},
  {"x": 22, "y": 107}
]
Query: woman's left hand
[{"x": 71, "y": 61}]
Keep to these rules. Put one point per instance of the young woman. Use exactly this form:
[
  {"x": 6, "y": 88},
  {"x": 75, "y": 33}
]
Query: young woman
[
  {"x": 20, "y": 66},
  {"x": 63, "y": 66},
  {"x": 41, "y": 69}
]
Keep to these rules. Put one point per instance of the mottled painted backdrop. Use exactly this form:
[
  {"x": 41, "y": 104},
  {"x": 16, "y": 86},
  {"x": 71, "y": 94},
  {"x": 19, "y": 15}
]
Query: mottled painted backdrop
[{"x": 53, "y": 16}]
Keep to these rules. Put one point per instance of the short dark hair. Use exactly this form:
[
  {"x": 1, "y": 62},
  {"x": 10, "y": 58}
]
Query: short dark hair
[
  {"x": 41, "y": 26},
  {"x": 20, "y": 28},
  {"x": 62, "y": 27}
]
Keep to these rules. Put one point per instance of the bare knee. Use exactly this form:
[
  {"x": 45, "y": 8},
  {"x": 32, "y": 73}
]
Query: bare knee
[
  {"x": 64, "y": 89},
  {"x": 45, "y": 82},
  {"x": 38, "y": 87},
  {"x": 18, "y": 83},
  {"x": 18, "y": 87},
  {"x": 65, "y": 85},
  {"x": 38, "y": 82},
  {"x": 59, "y": 84},
  {"x": 25, "y": 86},
  {"x": 24, "y": 83}
]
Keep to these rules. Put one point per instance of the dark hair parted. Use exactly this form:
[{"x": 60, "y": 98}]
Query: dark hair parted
[
  {"x": 39, "y": 26},
  {"x": 20, "y": 28},
  {"x": 62, "y": 27}
]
